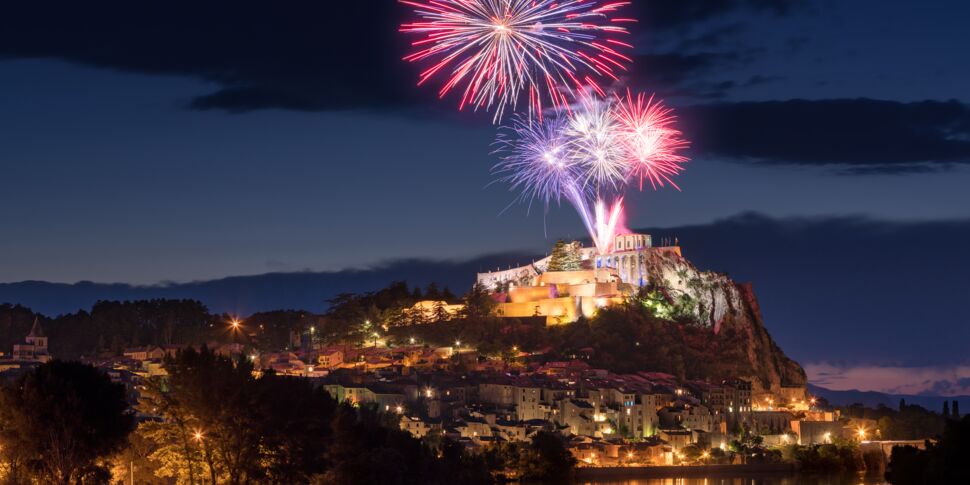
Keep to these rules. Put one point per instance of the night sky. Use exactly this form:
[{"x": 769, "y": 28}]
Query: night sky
[{"x": 182, "y": 141}]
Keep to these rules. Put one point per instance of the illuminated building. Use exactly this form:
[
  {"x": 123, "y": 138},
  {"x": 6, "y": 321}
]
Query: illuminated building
[{"x": 564, "y": 296}]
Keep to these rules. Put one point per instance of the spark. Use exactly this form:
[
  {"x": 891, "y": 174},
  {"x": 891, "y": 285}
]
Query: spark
[
  {"x": 535, "y": 161},
  {"x": 588, "y": 154},
  {"x": 593, "y": 131},
  {"x": 645, "y": 128},
  {"x": 498, "y": 53}
]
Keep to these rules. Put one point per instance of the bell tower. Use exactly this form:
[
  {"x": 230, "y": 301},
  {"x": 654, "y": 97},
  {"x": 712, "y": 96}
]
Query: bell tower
[{"x": 37, "y": 338}]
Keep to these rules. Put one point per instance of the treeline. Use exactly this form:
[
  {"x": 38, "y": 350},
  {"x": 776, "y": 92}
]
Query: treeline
[
  {"x": 909, "y": 422},
  {"x": 112, "y": 326},
  {"x": 211, "y": 420},
  {"x": 942, "y": 462}
]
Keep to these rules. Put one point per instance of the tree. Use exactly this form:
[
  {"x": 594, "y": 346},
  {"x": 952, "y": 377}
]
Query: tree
[
  {"x": 478, "y": 303},
  {"x": 294, "y": 443},
  {"x": 565, "y": 257},
  {"x": 439, "y": 314},
  {"x": 212, "y": 407},
  {"x": 368, "y": 447},
  {"x": 61, "y": 418},
  {"x": 547, "y": 459},
  {"x": 943, "y": 462},
  {"x": 432, "y": 292}
]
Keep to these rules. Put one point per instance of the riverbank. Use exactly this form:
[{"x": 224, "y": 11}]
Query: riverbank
[{"x": 599, "y": 473}]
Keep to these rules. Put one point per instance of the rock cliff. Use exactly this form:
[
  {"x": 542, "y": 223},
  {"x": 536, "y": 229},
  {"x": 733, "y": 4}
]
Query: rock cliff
[{"x": 739, "y": 343}]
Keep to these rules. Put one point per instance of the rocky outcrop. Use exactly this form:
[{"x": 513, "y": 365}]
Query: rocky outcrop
[{"x": 739, "y": 341}]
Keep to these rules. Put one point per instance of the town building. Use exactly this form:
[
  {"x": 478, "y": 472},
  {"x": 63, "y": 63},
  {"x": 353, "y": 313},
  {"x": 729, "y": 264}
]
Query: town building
[{"x": 35, "y": 347}]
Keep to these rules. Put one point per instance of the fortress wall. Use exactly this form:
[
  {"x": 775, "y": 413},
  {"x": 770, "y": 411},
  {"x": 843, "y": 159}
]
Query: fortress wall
[
  {"x": 562, "y": 308},
  {"x": 524, "y": 294}
]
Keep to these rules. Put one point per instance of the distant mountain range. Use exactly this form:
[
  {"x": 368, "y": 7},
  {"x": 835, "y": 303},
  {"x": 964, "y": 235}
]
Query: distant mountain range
[
  {"x": 874, "y": 399},
  {"x": 244, "y": 295}
]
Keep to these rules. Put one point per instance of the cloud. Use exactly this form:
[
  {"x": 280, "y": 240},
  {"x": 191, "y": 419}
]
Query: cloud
[
  {"x": 854, "y": 136},
  {"x": 305, "y": 56},
  {"x": 677, "y": 14},
  {"x": 674, "y": 71},
  {"x": 298, "y": 56},
  {"x": 953, "y": 380},
  {"x": 850, "y": 288}
]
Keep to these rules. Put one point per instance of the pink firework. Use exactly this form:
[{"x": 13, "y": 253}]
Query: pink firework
[
  {"x": 499, "y": 53},
  {"x": 650, "y": 140}
]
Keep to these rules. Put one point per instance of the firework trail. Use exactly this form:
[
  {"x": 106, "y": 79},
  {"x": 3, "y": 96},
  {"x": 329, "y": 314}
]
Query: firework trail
[
  {"x": 497, "y": 53},
  {"x": 589, "y": 154}
]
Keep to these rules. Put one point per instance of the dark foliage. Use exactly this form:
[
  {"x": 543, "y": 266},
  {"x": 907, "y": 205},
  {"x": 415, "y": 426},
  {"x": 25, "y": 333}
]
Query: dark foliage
[
  {"x": 57, "y": 421},
  {"x": 232, "y": 427},
  {"x": 942, "y": 463},
  {"x": 910, "y": 422},
  {"x": 547, "y": 460}
]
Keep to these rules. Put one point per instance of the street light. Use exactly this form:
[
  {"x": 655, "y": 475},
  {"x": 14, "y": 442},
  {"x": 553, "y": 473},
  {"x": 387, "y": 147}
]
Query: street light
[{"x": 234, "y": 325}]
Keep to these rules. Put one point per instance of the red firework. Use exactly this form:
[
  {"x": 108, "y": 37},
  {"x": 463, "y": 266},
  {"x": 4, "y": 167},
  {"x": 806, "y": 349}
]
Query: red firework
[
  {"x": 498, "y": 53},
  {"x": 650, "y": 140}
]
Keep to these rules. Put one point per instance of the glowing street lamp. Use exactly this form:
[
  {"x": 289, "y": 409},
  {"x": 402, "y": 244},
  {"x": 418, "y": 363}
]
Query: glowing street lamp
[{"x": 234, "y": 326}]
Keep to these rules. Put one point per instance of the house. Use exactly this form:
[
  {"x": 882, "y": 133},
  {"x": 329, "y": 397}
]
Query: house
[
  {"x": 35, "y": 347},
  {"x": 330, "y": 358}
]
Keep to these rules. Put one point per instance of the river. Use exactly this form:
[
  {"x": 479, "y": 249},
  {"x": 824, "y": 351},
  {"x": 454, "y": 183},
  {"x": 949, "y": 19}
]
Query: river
[{"x": 754, "y": 480}]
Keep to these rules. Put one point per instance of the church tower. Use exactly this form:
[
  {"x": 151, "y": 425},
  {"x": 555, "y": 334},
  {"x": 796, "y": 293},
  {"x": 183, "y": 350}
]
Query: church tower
[{"x": 37, "y": 338}]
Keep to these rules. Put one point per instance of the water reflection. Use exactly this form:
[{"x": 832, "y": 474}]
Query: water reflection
[{"x": 785, "y": 480}]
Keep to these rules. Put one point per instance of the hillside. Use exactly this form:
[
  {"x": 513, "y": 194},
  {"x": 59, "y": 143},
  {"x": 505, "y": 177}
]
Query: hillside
[{"x": 732, "y": 314}]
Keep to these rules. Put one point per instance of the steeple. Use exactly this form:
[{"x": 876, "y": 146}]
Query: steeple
[
  {"x": 36, "y": 331},
  {"x": 37, "y": 338}
]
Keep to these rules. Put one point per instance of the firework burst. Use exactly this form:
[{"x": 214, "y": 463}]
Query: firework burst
[
  {"x": 536, "y": 162},
  {"x": 592, "y": 130},
  {"x": 645, "y": 129},
  {"x": 498, "y": 53},
  {"x": 589, "y": 153}
]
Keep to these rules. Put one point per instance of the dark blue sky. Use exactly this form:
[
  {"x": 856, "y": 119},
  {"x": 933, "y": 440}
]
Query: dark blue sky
[{"x": 185, "y": 142}]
